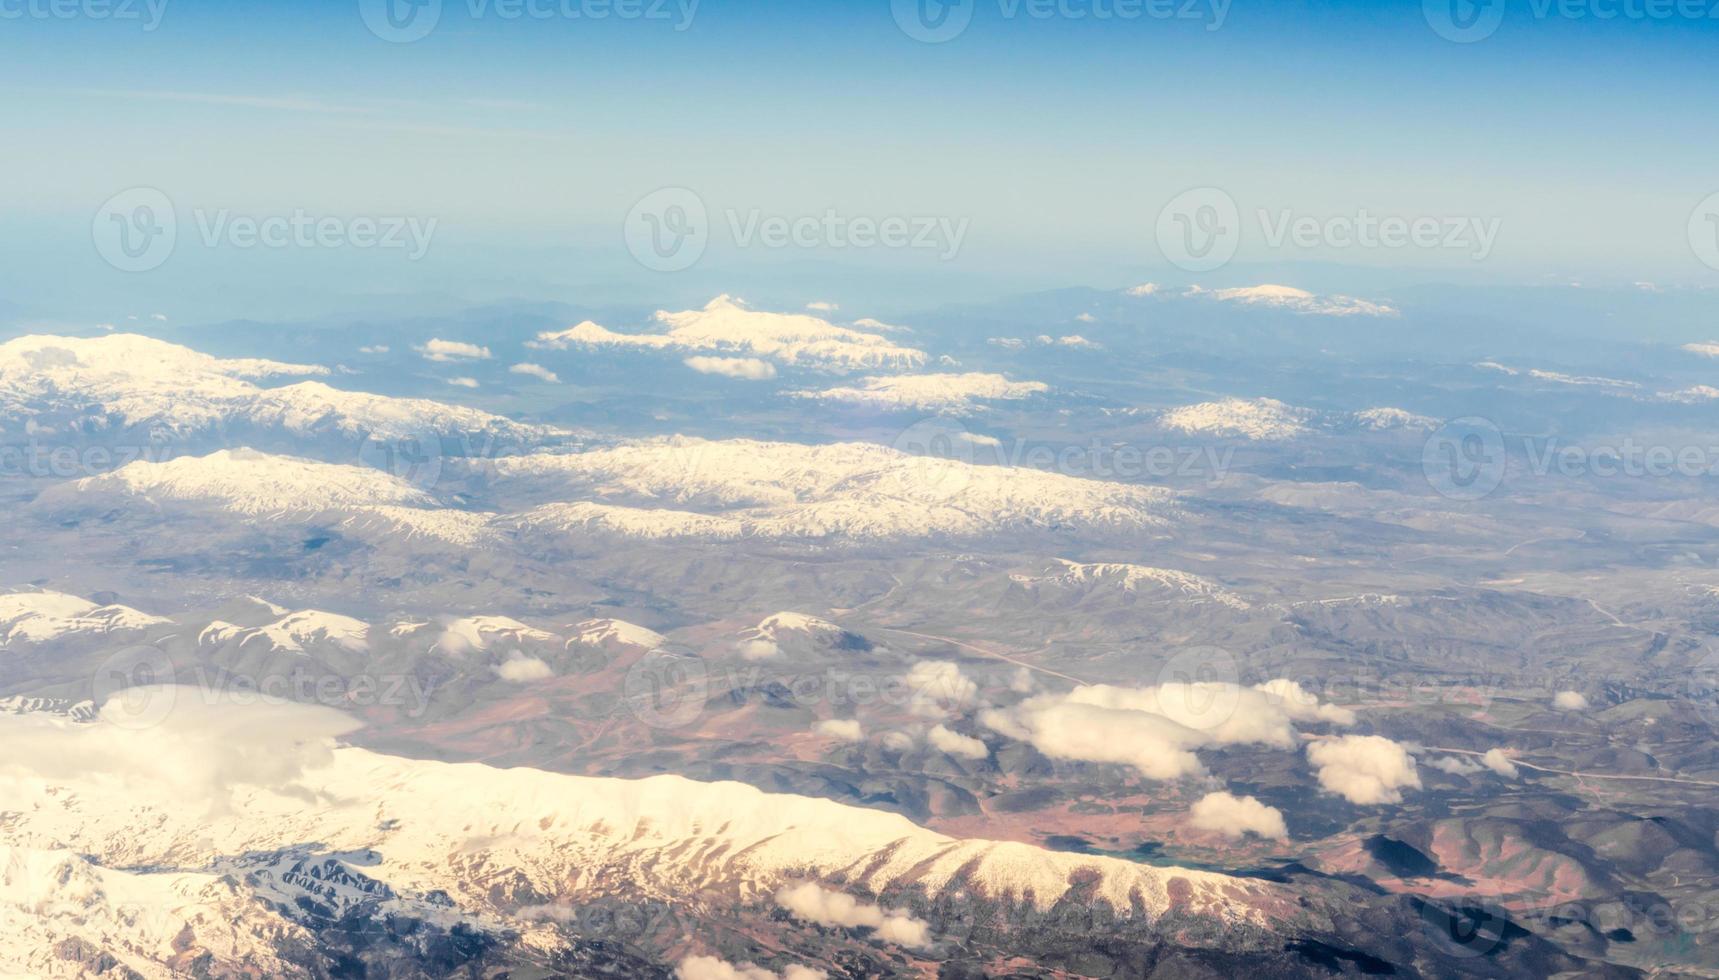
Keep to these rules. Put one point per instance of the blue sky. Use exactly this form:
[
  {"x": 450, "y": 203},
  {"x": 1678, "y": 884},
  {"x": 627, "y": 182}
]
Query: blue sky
[{"x": 1056, "y": 140}]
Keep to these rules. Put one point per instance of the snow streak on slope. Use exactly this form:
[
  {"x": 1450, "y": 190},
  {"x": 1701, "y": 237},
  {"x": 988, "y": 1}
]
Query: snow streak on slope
[
  {"x": 957, "y": 394},
  {"x": 679, "y": 487},
  {"x": 38, "y": 617},
  {"x": 726, "y": 326}
]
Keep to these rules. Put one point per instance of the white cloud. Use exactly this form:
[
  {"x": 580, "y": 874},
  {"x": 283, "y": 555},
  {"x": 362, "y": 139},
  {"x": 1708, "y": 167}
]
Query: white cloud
[
  {"x": 1144, "y": 289},
  {"x": 1364, "y": 769},
  {"x": 1156, "y": 729},
  {"x": 1456, "y": 765},
  {"x": 965, "y": 746},
  {"x": 758, "y": 649},
  {"x": 952, "y": 393},
  {"x": 1234, "y": 816},
  {"x": 712, "y": 968},
  {"x": 1693, "y": 395},
  {"x": 1570, "y": 701},
  {"x": 813, "y": 903},
  {"x": 535, "y": 371},
  {"x": 1498, "y": 762},
  {"x": 520, "y": 668},
  {"x": 841, "y": 729},
  {"x": 1007, "y": 343},
  {"x": 463, "y": 382},
  {"x": 374, "y": 349},
  {"x": 437, "y": 349},
  {"x": 744, "y": 368},
  {"x": 1708, "y": 348},
  {"x": 201, "y": 747},
  {"x": 939, "y": 688},
  {"x": 897, "y": 741},
  {"x": 819, "y": 306},
  {"x": 726, "y": 326},
  {"x": 1086, "y": 318}
]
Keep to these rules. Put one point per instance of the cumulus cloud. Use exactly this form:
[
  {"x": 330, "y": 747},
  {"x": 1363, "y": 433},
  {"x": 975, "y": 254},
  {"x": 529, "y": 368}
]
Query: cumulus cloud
[
  {"x": 713, "y": 968},
  {"x": 1456, "y": 765},
  {"x": 374, "y": 349},
  {"x": 437, "y": 349},
  {"x": 758, "y": 649},
  {"x": 938, "y": 688},
  {"x": 820, "y": 306},
  {"x": 180, "y": 744},
  {"x": 535, "y": 371},
  {"x": 1156, "y": 729},
  {"x": 814, "y": 903},
  {"x": 744, "y": 368},
  {"x": 463, "y": 382},
  {"x": 965, "y": 746},
  {"x": 1498, "y": 762},
  {"x": 1570, "y": 701},
  {"x": 1704, "y": 348},
  {"x": 841, "y": 729},
  {"x": 1234, "y": 816},
  {"x": 520, "y": 668},
  {"x": 1364, "y": 769},
  {"x": 897, "y": 741}
]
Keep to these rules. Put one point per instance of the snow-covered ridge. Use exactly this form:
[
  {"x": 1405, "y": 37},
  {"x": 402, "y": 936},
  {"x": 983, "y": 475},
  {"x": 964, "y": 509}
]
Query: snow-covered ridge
[
  {"x": 958, "y": 394},
  {"x": 1267, "y": 419},
  {"x": 679, "y": 487},
  {"x": 437, "y": 826},
  {"x": 1268, "y": 296},
  {"x": 726, "y": 326},
  {"x": 1245, "y": 418},
  {"x": 247, "y": 482},
  {"x": 1182, "y": 586},
  {"x": 294, "y": 631},
  {"x": 1301, "y": 301},
  {"x": 139, "y": 381},
  {"x": 39, "y": 617},
  {"x": 607, "y": 632}
]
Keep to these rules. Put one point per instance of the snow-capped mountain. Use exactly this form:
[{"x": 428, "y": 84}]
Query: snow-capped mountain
[
  {"x": 294, "y": 632},
  {"x": 725, "y": 325},
  {"x": 609, "y": 633},
  {"x": 1244, "y": 418},
  {"x": 129, "y": 381},
  {"x": 1164, "y": 583},
  {"x": 862, "y": 491},
  {"x": 243, "y": 482},
  {"x": 42, "y": 617},
  {"x": 234, "y": 882},
  {"x": 954, "y": 394}
]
